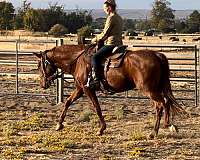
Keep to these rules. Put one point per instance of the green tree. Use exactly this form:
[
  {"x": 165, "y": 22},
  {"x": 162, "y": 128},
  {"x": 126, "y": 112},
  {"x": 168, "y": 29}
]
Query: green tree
[
  {"x": 55, "y": 14},
  {"x": 128, "y": 24},
  {"x": 32, "y": 20},
  {"x": 77, "y": 20},
  {"x": 162, "y": 16},
  {"x": 44, "y": 19},
  {"x": 19, "y": 18},
  {"x": 6, "y": 15},
  {"x": 143, "y": 25},
  {"x": 193, "y": 22},
  {"x": 180, "y": 26},
  {"x": 99, "y": 23}
]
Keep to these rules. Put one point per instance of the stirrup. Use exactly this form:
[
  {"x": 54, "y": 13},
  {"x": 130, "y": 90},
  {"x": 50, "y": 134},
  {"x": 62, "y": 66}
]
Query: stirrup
[
  {"x": 94, "y": 83},
  {"x": 88, "y": 82},
  {"x": 105, "y": 89}
]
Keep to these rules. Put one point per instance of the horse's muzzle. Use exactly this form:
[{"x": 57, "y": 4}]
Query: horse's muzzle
[{"x": 45, "y": 84}]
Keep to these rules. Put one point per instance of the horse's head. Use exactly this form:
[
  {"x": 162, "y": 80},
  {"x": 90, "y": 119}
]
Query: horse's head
[{"x": 47, "y": 69}]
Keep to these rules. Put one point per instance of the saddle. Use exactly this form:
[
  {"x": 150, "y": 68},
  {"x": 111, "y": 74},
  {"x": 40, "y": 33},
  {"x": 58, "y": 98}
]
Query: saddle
[
  {"x": 113, "y": 61},
  {"x": 117, "y": 57}
]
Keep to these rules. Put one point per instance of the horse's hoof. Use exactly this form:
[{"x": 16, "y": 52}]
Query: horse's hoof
[
  {"x": 173, "y": 129},
  {"x": 99, "y": 133},
  {"x": 166, "y": 126},
  {"x": 151, "y": 136},
  {"x": 59, "y": 127}
]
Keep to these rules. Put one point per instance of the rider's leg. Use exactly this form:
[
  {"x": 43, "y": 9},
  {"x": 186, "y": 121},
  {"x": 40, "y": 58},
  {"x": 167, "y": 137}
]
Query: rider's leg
[{"x": 97, "y": 58}]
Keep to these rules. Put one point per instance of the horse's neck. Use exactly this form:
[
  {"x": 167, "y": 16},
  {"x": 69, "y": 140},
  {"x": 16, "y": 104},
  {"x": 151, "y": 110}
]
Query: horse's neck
[{"x": 65, "y": 56}]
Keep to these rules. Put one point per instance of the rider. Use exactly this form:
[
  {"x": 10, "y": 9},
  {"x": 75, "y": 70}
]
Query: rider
[{"x": 112, "y": 34}]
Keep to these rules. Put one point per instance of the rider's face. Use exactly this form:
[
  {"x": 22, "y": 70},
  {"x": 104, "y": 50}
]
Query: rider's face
[{"x": 107, "y": 9}]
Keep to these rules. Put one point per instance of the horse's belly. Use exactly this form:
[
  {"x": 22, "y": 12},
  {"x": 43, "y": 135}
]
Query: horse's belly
[{"x": 118, "y": 81}]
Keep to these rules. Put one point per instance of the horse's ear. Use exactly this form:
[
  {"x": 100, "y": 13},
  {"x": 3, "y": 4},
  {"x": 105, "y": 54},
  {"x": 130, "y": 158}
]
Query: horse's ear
[{"x": 37, "y": 54}]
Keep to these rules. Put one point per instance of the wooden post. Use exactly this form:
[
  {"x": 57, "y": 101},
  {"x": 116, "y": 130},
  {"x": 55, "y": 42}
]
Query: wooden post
[
  {"x": 196, "y": 77},
  {"x": 17, "y": 69},
  {"x": 60, "y": 81}
]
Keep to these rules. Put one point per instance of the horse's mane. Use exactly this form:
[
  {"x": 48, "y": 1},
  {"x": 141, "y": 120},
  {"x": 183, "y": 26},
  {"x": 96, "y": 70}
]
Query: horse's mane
[{"x": 72, "y": 48}]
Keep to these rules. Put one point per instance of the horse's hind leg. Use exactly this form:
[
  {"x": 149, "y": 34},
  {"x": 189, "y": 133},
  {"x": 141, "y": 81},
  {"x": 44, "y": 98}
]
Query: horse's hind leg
[
  {"x": 78, "y": 92},
  {"x": 166, "y": 114},
  {"x": 92, "y": 95},
  {"x": 167, "y": 123},
  {"x": 158, "y": 101}
]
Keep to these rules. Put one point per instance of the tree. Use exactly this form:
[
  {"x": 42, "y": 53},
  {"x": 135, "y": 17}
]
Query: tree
[
  {"x": 19, "y": 18},
  {"x": 99, "y": 23},
  {"x": 32, "y": 20},
  {"x": 55, "y": 14},
  {"x": 78, "y": 19},
  {"x": 128, "y": 24},
  {"x": 180, "y": 26},
  {"x": 162, "y": 16},
  {"x": 193, "y": 22},
  {"x": 143, "y": 25},
  {"x": 44, "y": 19},
  {"x": 6, "y": 15}
]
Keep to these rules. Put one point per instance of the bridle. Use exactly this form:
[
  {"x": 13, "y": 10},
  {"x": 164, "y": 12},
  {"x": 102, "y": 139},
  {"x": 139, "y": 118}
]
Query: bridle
[{"x": 45, "y": 62}]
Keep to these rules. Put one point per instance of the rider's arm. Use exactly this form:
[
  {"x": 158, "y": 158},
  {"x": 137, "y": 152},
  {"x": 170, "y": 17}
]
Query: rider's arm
[{"x": 107, "y": 28}]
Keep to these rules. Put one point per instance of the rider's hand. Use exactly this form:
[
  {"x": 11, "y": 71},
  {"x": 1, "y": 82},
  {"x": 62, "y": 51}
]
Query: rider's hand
[{"x": 94, "y": 41}]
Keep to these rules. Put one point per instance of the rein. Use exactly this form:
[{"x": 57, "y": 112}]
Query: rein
[
  {"x": 74, "y": 61},
  {"x": 84, "y": 51},
  {"x": 45, "y": 62}
]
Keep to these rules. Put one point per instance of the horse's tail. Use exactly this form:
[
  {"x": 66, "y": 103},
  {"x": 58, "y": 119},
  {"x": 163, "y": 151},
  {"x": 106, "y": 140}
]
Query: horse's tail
[{"x": 165, "y": 85}]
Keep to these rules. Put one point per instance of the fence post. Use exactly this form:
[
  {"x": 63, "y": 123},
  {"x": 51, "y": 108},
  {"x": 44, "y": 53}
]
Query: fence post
[
  {"x": 196, "y": 77},
  {"x": 17, "y": 69},
  {"x": 198, "y": 72},
  {"x": 60, "y": 81}
]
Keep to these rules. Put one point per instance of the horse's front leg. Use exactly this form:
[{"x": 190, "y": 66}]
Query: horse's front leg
[
  {"x": 166, "y": 115},
  {"x": 77, "y": 93},
  {"x": 167, "y": 123},
  {"x": 92, "y": 95},
  {"x": 159, "y": 110}
]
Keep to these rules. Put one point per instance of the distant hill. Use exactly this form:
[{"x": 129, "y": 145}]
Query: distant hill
[{"x": 139, "y": 13}]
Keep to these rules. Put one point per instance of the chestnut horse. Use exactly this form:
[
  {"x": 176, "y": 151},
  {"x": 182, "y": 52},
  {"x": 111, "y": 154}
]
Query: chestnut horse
[{"x": 145, "y": 70}]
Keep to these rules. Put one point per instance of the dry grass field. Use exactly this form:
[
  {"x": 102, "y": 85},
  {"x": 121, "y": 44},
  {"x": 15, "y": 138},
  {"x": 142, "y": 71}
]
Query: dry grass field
[
  {"x": 27, "y": 131},
  {"x": 27, "y": 123}
]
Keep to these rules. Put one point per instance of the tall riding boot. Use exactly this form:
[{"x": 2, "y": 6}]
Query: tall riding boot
[{"x": 95, "y": 78}]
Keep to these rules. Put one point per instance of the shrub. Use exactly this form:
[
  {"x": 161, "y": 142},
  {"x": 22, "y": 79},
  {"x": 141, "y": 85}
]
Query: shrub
[
  {"x": 58, "y": 30},
  {"x": 85, "y": 31}
]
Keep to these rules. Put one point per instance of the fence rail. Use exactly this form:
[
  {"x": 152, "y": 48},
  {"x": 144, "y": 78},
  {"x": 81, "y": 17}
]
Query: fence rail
[
  {"x": 15, "y": 54},
  {"x": 192, "y": 67}
]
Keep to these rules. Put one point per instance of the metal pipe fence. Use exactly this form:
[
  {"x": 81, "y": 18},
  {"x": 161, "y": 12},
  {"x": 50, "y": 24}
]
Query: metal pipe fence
[
  {"x": 192, "y": 71},
  {"x": 11, "y": 58},
  {"x": 194, "y": 62},
  {"x": 188, "y": 65}
]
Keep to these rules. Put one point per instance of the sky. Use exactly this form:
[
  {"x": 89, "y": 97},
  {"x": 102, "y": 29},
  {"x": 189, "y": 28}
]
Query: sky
[{"x": 122, "y": 4}]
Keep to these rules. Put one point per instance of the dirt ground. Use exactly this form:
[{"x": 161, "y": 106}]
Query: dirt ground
[
  {"x": 27, "y": 130},
  {"x": 27, "y": 125}
]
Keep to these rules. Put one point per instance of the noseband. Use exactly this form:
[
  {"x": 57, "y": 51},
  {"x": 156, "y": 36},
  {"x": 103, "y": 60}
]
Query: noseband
[{"x": 44, "y": 63}]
